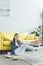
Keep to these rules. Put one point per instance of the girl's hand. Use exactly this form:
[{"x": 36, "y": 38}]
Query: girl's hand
[{"x": 20, "y": 44}]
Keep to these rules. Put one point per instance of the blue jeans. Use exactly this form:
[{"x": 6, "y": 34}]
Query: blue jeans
[{"x": 13, "y": 50}]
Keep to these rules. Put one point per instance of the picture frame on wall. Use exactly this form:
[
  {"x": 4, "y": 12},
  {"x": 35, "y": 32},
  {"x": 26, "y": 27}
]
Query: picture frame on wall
[{"x": 4, "y": 7}]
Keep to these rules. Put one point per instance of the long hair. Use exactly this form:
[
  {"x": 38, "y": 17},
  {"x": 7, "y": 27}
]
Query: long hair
[{"x": 14, "y": 36}]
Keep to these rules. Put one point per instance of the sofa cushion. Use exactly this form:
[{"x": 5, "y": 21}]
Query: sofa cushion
[
  {"x": 30, "y": 37},
  {"x": 6, "y": 43},
  {"x": 22, "y": 36},
  {"x": 8, "y": 35},
  {"x": 36, "y": 38}
]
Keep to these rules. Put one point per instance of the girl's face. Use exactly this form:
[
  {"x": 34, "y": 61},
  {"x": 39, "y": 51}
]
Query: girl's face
[{"x": 16, "y": 37}]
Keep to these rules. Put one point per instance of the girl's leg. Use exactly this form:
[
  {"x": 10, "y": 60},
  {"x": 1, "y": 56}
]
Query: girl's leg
[{"x": 21, "y": 50}]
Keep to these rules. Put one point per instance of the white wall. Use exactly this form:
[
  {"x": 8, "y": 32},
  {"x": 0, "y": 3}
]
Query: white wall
[{"x": 24, "y": 16}]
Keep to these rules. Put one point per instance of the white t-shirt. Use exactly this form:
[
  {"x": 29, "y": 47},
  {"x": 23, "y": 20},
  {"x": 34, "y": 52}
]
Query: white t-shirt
[{"x": 16, "y": 43}]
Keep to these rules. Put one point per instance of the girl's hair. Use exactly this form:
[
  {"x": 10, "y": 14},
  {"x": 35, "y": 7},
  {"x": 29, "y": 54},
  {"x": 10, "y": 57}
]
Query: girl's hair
[{"x": 14, "y": 36}]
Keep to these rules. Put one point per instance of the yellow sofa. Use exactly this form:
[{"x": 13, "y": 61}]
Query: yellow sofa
[{"x": 6, "y": 37}]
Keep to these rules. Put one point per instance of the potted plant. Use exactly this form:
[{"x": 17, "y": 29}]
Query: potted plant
[{"x": 37, "y": 31}]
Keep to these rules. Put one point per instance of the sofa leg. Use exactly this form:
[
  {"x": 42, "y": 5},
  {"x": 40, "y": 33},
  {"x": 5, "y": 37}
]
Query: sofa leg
[
  {"x": 0, "y": 51},
  {"x": 5, "y": 51}
]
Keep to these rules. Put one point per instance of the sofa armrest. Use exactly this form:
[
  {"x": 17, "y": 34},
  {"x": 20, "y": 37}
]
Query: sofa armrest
[{"x": 6, "y": 43}]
